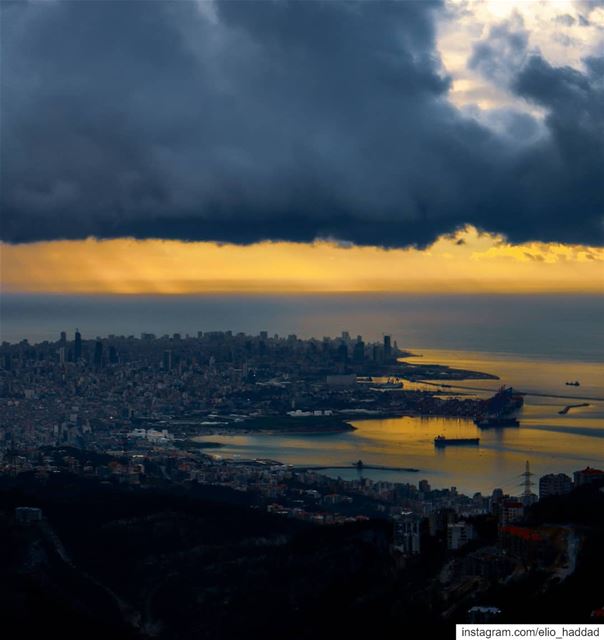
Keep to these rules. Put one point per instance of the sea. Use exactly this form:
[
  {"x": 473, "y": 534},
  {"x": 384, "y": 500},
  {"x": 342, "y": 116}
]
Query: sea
[{"x": 535, "y": 343}]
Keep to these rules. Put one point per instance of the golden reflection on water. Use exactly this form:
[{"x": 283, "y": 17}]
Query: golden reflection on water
[
  {"x": 542, "y": 376},
  {"x": 408, "y": 442},
  {"x": 550, "y": 441}
]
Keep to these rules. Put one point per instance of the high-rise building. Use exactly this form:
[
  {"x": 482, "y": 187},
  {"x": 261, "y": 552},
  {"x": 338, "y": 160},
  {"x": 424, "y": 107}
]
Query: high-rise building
[
  {"x": 342, "y": 354},
  {"x": 406, "y": 533},
  {"x": 439, "y": 520},
  {"x": 63, "y": 338},
  {"x": 77, "y": 348},
  {"x": 459, "y": 534},
  {"x": 167, "y": 360},
  {"x": 387, "y": 347},
  {"x": 98, "y": 354},
  {"x": 554, "y": 484},
  {"x": 496, "y": 501},
  {"x": 358, "y": 351}
]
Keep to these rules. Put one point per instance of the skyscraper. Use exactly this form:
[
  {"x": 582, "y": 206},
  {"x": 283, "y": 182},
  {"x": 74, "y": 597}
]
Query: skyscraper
[
  {"x": 358, "y": 352},
  {"x": 342, "y": 354},
  {"x": 98, "y": 354},
  {"x": 77, "y": 350},
  {"x": 387, "y": 347},
  {"x": 406, "y": 533}
]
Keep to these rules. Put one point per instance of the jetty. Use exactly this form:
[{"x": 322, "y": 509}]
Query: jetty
[
  {"x": 568, "y": 407},
  {"x": 521, "y": 393},
  {"x": 355, "y": 465}
]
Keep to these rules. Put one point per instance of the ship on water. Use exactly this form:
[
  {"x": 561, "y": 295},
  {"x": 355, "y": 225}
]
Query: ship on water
[
  {"x": 503, "y": 402},
  {"x": 392, "y": 383},
  {"x": 441, "y": 441},
  {"x": 496, "y": 410}
]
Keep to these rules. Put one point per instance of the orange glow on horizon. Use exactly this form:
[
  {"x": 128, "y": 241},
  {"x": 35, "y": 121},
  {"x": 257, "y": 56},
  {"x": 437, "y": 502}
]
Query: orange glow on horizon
[{"x": 468, "y": 262}]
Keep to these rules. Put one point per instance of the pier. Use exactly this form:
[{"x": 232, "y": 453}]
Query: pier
[
  {"x": 522, "y": 393},
  {"x": 568, "y": 407},
  {"x": 357, "y": 466}
]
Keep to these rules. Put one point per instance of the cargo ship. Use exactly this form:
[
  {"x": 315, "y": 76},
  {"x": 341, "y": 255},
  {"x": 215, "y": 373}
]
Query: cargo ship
[
  {"x": 441, "y": 441},
  {"x": 504, "y": 401},
  {"x": 496, "y": 421}
]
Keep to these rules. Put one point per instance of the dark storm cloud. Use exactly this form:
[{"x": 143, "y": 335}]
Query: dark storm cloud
[
  {"x": 573, "y": 154},
  {"x": 271, "y": 120}
]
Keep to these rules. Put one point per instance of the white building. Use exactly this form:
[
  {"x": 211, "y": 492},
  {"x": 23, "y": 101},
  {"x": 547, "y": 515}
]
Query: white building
[
  {"x": 459, "y": 534},
  {"x": 406, "y": 533}
]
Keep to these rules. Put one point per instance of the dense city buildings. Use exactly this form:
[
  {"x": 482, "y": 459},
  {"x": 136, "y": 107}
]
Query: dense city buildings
[
  {"x": 125, "y": 414},
  {"x": 90, "y": 393}
]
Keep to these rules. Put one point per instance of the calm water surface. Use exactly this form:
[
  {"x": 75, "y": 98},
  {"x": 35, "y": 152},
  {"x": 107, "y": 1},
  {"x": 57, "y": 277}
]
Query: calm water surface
[
  {"x": 534, "y": 343},
  {"x": 551, "y": 442}
]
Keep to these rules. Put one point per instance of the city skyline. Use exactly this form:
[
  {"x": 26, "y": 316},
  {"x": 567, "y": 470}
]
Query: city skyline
[{"x": 301, "y": 318}]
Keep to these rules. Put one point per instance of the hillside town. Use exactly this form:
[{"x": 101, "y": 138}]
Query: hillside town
[{"x": 127, "y": 413}]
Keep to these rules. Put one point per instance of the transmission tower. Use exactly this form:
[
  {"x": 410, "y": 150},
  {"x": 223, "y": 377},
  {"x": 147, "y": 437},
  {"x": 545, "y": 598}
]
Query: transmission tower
[{"x": 527, "y": 483}]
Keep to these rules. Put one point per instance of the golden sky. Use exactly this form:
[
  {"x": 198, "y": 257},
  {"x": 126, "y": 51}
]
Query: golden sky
[{"x": 468, "y": 262}]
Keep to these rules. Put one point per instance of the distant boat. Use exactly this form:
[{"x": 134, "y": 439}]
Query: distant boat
[
  {"x": 441, "y": 441},
  {"x": 496, "y": 421},
  {"x": 576, "y": 383},
  {"x": 392, "y": 383}
]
